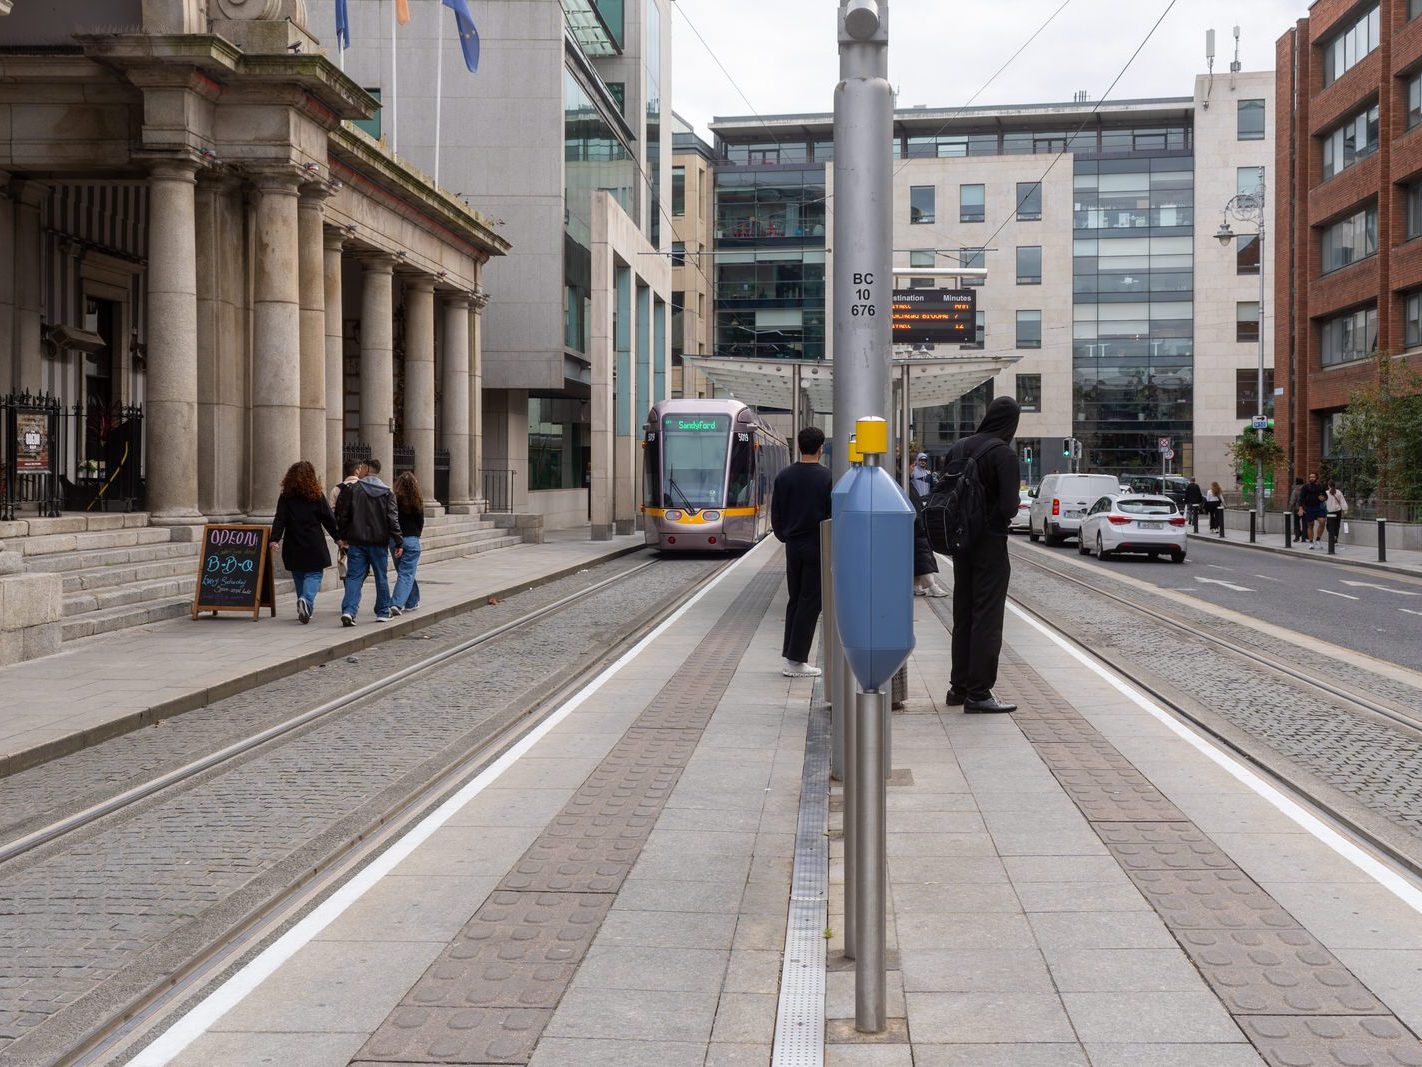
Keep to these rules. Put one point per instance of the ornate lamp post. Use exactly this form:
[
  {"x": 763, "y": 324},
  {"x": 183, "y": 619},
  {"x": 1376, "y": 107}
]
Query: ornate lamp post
[{"x": 1249, "y": 207}]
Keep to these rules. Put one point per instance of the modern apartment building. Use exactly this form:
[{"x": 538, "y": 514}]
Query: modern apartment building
[
  {"x": 693, "y": 295},
  {"x": 561, "y": 135},
  {"x": 1350, "y": 154},
  {"x": 1095, "y": 226}
]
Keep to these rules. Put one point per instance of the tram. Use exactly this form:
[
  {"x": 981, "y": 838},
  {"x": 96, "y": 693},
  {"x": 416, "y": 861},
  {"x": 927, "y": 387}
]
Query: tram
[{"x": 709, "y": 469}]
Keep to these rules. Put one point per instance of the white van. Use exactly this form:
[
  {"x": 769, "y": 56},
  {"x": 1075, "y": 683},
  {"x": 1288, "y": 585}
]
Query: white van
[{"x": 1062, "y": 502}]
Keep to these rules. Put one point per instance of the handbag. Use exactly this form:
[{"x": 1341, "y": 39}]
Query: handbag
[
  {"x": 1345, "y": 528},
  {"x": 341, "y": 565}
]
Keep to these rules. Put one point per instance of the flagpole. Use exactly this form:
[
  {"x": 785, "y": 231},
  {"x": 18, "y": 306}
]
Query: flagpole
[
  {"x": 394, "y": 88},
  {"x": 439, "y": 84}
]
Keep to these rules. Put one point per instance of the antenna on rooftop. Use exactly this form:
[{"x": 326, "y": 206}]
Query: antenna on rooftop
[
  {"x": 1236, "y": 66},
  {"x": 1210, "y": 67}
]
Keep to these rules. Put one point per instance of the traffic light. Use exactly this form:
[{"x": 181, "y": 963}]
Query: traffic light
[{"x": 1066, "y": 449}]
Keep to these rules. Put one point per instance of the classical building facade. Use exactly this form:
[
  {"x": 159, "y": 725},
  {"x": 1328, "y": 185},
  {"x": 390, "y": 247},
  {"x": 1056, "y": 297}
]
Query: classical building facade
[
  {"x": 1095, "y": 226},
  {"x": 1350, "y": 264},
  {"x": 563, "y": 136},
  {"x": 189, "y": 223}
]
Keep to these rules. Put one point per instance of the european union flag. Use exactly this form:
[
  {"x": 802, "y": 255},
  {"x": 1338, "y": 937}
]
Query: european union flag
[
  {"x": 343, "y": 25},
  {"x": 468, "y": 35}
]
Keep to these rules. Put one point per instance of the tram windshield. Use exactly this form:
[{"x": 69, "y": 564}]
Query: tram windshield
[{"x": 693, "y": 474}]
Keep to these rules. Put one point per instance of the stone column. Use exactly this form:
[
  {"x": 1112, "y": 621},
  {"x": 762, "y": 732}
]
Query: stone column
[
  {"x": 476, "y": 397},
  {"x": 311, "y": 257},
  {"x": 28, "y": 197},
  {"x": 419, "y": 424},
  {"x": 454, "y": 400},
  {"x": 276, "y": 339},
  {"x": 335, "y": 357},
  {"x": 171, "y": 410},
  {"x": 377, "y": 359},
  {"x": 7, "y": 286}
]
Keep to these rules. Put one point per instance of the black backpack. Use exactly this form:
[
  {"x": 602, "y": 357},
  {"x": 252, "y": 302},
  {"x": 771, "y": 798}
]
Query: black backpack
[{"x": 956, "y": 513}]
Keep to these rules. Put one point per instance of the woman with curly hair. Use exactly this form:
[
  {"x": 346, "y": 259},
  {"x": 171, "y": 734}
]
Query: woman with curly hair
[
  {"x": 410, "y": 503},
  {"x": 302, "y": 513}
]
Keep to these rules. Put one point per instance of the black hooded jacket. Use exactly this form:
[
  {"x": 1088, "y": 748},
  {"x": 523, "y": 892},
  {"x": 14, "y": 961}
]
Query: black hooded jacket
[{"x": 997, "y": 462}]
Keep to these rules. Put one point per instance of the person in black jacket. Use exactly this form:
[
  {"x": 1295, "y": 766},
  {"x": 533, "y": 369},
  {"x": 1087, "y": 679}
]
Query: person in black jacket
[
  {"x": 981, "y": 575},
  {"x": 799, "y": 502},
  {"x": 303, "y": 518},
  {"x": 410, "y": 505},
  {"x": 1194, "y": 499},
  {"x": 369, "y": 526}
]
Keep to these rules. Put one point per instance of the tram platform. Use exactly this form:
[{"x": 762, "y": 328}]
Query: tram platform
[
  {"x": 102, "y": 686},
  {"x": 1086, "y": 882}
]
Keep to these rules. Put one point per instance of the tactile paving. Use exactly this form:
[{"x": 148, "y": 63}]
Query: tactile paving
[
  {"x": 1277, "y": 972},
  {"x": 1211, "y": 900},
  {"x": 415, "y": 1034},
  {"x": 1332, "y": 1041},
  {"x": 1162, "y": 846}
]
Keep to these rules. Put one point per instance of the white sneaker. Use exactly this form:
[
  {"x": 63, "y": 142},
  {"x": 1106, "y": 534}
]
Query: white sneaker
[{"x": 799, "y": 670}]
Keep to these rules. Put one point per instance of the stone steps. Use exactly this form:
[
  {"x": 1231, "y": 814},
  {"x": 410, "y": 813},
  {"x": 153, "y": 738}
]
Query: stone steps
[
  {"x": 124, "y": 616},
  {"x": 85, "y": 541},
  {"x": 184, "y": 565},
  {"x": 129, "y": 593},
  {"x": 105, "y": 558}
]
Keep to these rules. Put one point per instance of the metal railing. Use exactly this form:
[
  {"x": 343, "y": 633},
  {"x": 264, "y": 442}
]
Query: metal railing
[
  {"x": 441, "y": 475},
  {"x": 404, "y": 456},
  {"x": 353, "y": 453},
  {"x": 498, "y": 487},
  {"x": 55, "y": 458}
]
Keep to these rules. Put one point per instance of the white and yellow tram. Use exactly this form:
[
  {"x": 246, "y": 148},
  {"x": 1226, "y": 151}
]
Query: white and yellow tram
[{"x": 709, "y": 470}]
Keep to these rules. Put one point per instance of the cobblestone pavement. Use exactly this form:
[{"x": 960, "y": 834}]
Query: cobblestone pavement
[
  {"x": 88, "y": 922},
  {"x": 1375, "y": 764}
]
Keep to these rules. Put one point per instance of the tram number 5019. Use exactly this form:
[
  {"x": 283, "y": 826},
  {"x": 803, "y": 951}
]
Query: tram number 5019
[{"x": 863, "y": 297}]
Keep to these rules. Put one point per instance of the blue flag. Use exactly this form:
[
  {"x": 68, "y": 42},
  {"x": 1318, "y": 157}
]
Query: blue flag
[
  {"x": 468, "y": 35},
  {"x": 343, "y": 25}
]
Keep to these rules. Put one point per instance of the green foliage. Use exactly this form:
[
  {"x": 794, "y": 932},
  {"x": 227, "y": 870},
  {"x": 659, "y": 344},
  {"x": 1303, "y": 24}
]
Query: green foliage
[
  {"x": 1251, "y": 452},
  {"x": 1381, "y": 435}
]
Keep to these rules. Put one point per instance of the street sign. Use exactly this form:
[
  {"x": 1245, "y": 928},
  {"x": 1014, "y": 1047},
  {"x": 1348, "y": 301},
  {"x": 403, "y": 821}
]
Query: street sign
[
  {"x": 935, "y": 316},
  {"x": 1169, "y": 453},
  {"x": 1164, "y": 443},
  {"x": 1259, "y": 422}
]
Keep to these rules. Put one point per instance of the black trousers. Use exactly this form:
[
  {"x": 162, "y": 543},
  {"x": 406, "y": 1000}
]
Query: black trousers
[
  {"x": 802, "y": 574},
  {"x": 979, "y": 599}
]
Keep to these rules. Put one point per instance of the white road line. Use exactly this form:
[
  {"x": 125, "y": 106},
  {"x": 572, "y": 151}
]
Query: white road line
[
  {"x": 1380, "y": 872},
  {"x": 233, "y": 991},
  {"x": 1266, "y": 578},
  {"x": 1227, "y": 585},
  {"x": 1409, "y": 611},
  {"x": 1345, "y": 596},
  {"x": 1384, "y": 588},
  {"x": 1217, "y": 567}
]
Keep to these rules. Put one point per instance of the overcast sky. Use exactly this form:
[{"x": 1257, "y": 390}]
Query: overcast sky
[{"x": 782, "y": 53}]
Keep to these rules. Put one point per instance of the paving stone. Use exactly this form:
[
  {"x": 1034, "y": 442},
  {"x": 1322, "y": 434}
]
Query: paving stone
[
  {"x": 1211, "y": 900},
  {"x": 1159, "y": 846},
  {"x": 937, "y": 1018},
  {"x": 456, "y": 1035},
  {"x": 1149, "y": 1018},
  {"x": 491, "y": 983},
  {"x": 1277, "y": 972},
  {"x": 1002, "y": 1055},
  {"x": 1332, "y": 1041},
  {"x": 1241, "y": 1054}
]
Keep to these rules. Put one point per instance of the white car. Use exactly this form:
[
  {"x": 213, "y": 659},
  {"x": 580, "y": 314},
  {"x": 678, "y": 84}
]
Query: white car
[
  {"x": 1061, "y": 503},
  {"x": 1151, "y": 525},
  {"x": 1023, "y": 519}
]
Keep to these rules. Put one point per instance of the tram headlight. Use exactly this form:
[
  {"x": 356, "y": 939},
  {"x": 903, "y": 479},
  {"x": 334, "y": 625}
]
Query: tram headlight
[
  {"x": 711, "y": 516},
  {"x": 674, "y": 516}
]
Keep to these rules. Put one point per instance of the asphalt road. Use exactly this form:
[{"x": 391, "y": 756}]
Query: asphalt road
[{"x": 1367, "y": 611}]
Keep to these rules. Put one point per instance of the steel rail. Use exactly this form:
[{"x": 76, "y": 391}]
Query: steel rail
[
  {"x": 1381, "y": 848},
  {"x": 178, "y": 775}
]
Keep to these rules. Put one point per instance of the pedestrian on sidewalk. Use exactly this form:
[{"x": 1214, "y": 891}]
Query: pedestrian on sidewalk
[
  {"x": 1194, "y": 501},
  {"x": 982, "y": 573},
  {"x": 1335, "y": 505},
  {"x": 1295, "y": 513},
  {"x": 921, "y": 478},
  {"x": 799, "y": 502},
  {"x": 1313, "y": 503},
  {"x": 410, "y": 506},
  {"x": 1214, "y": 504},
  {"x": 925, "y": 562},
  {"x": 303, "y": 518},
  {"x": 353, "y": 470},
  {"x": 369, "y": 525}
]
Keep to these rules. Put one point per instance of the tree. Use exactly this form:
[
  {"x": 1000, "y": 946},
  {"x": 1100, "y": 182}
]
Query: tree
[
  {"x": 1380, "y": 435},
  {"x": 1251, "y": 452}
]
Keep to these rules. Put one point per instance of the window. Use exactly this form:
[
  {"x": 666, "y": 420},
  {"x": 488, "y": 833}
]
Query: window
[
  {"x": 921, "y": 257},
  {"x": 1246, "y": 390},
  {"x": 1246, "y": 254},
  {"x": 1246, "y": 321},
  {"x": 972, "y": 203},
  {"x": 1029, "y": 201},
  {"x": 1354, "y": 43},
  {"x": 1414, "y": 8},
  {"x": 372, "y": 124},
  {"x": 678, "y": 326},
  {"x": 974, "y": 258},
  {"x": 1251, "y": 120},
  {"x": 1412, "y": 320},
  {"x": 1414, "y": 98},
  {"x": 1413, "y": 193},
  {"x": 1029, "y": 329},
  {"x": 1249, "y": 180},
  {"x": 678, "y": 190},
  {"x": 1351, "y": 239},
  {"x": 923, "y": 204},
  {"x": 1029, "y": 392},
  {"x": 1356, "y": 139},
  {"x": 1029, "y": 264},
  {"x": 1348, "y": 337},
  {"x": 678, "y": 255}
]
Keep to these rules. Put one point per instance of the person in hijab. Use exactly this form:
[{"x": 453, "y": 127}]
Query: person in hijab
[{"x": 981, "y": 575}]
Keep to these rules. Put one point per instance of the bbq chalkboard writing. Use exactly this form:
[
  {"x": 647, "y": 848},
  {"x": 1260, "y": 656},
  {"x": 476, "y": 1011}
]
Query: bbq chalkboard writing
[{"x": 234, "y": 572}]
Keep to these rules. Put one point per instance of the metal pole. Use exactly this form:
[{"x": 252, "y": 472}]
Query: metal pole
[
  {"x": 1382, "y": 540},
  {"x": 906, "y": 417},
  {"x": 1253, "y": 520},
  {"x": 1223, "y": 513},
  {"x": 1259, "y": 467},
  {"x": 845, "y": 687},
  {"x": 796, "y": 416},
  {"x": 832, "y": 653},
  {"x": 871, "y": 709},
  {"x": 1288, "y": 531}
]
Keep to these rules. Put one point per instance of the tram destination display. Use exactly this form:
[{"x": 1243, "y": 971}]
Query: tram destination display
[
  {"x": 935, "y": 316},
  {"x": 234, "y": 571}
]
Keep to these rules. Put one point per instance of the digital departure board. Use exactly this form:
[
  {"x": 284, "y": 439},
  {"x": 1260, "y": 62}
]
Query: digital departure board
[{"x": 935, "y": 316}]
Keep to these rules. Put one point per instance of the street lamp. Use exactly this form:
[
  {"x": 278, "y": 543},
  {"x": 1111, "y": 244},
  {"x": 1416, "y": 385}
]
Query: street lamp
[{"x": 1249, "y": 207}]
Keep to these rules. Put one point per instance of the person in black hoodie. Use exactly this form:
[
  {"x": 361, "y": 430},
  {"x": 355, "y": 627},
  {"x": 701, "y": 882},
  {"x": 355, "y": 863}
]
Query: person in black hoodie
[
  {"x": 369, "y": 526},
  {"x": 799, "y": 503},
  {"x": 981, "y": 575},
  {"x": 303, "y": 517}
]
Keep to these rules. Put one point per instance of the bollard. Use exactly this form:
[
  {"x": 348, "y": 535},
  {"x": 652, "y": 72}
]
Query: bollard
[
  {"x": 1288, "y": 530},
  {"x": 1221, "y": 509},
  {"x": 1253, "y": 526},
  {"x": 1195, "y": 517},
  {"x": 1382, "y": 540},
  {"x": 830, "y": 649},
  {"x": 871, "y": 708}
]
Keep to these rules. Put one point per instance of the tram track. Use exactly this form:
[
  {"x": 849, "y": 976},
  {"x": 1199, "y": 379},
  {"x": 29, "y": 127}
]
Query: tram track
[
  {"x": 1340, "y": 800},
  {"x": 96, "y": 1034}
]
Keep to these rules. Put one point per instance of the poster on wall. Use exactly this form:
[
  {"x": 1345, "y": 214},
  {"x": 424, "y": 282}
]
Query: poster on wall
[{"x": 32, "y": 442}]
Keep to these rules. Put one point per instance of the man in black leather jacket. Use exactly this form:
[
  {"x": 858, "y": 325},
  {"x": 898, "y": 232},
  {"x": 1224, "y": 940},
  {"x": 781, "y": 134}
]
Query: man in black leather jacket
[{"x": 368, "y": 522}]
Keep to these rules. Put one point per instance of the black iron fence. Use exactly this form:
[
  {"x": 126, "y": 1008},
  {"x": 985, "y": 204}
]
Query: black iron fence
[
  {"x": 356, "y": 453},
  {"x": 404, "y": 461},
  {"x": 57, "y": 458},
  {"x": 441, "y": 475},
  {"x": 498, "y": 486}
]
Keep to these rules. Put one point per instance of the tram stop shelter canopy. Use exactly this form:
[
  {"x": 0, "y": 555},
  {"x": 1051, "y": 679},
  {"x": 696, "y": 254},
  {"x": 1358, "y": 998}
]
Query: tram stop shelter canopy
[{"x": 933, "y": 380}]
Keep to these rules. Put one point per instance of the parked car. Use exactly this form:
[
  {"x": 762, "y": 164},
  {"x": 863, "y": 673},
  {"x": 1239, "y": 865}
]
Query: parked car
[
  {"x": 1151, "y": 525},
  {"x": 1062, "y": 501},
  {"x": 1167, "y": 485},
  {"x": 1022, "y": 519}
]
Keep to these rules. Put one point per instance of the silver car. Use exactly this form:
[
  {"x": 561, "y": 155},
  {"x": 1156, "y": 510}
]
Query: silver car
[
  {"x": 1023, "y": 519},
  {"x": 1151, "y": 525}
]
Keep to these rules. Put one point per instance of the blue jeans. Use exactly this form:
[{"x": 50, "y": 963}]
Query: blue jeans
[
  {"x": 308, "y": 584},
  {"x": 359, "y": 560},
  {"x": 407, "y": 590}
]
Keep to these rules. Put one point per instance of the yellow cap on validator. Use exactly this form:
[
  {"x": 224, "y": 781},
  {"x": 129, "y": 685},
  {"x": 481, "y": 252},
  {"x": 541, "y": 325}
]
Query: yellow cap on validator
[
  {"x": 855, "y": 456},
  {"x": 873, "y": 436}
]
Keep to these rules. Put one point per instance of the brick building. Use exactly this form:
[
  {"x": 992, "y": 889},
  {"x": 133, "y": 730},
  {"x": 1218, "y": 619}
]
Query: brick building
[{"x": 1348, "y": 282}]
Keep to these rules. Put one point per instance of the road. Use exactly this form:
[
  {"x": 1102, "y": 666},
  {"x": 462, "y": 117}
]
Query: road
[{"x": 1364, "y": 610}]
